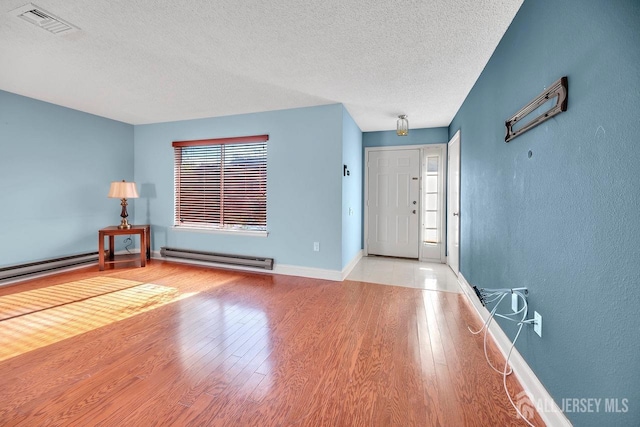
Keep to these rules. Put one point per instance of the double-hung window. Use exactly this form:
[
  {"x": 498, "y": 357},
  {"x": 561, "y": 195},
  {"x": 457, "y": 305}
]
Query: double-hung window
[{"x": 221, "y": 184}]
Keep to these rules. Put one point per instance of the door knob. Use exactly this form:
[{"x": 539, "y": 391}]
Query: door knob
[
  {"x": 414, "y": 202},
  {"x": 456, "y": 214},
  {"x": 414, "y": 211}
]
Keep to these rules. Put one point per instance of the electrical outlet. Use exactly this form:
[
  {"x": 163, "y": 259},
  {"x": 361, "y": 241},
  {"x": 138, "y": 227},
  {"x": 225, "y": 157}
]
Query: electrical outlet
[
  {"x": 350, "y": 211},
  {"x": 514, "y": 302},
  {"x": 316, "y": 246},
  {"x": 537, "y": 325}
]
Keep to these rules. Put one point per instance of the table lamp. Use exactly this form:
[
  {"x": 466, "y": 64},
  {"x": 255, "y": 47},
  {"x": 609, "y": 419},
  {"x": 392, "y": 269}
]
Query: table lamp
[{"x": 123, "y": 190}]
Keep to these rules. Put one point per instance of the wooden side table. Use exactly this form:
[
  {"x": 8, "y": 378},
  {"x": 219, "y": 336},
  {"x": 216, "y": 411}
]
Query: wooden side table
[{"x": 144, "y": 231}]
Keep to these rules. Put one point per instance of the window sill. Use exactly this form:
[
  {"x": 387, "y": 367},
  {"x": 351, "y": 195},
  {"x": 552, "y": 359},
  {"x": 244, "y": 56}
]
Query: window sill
[{"x": 208, "y": 230}]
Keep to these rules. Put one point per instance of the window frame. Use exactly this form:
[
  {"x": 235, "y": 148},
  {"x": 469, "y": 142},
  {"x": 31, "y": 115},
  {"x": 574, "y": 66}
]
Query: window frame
[{"x": 212, "y": 228}]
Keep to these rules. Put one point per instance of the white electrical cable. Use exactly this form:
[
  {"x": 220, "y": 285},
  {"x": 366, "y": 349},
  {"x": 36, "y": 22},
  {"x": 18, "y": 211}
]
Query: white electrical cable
[
  {"x": 484, "y": 326},
  {"x": 491, "y": 295},
  {"x": 484, "y": 343},
  {"x": 506, "y": 363},
  {"x": 495, "y": 298}
]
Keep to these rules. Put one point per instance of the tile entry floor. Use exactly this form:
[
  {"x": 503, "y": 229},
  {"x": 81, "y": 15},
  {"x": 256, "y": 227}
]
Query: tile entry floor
[{"x": 405, "y": 272}]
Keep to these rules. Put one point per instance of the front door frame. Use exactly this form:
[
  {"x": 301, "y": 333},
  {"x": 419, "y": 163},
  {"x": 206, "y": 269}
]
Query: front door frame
[{"x": 365, "y": 209}]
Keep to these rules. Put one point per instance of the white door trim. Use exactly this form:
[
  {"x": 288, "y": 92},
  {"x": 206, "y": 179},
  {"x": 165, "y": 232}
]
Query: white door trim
[{"x": 450, "y": 216}]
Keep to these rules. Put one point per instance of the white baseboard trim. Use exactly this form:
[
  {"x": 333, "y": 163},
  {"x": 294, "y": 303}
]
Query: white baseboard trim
[
  {"x": 548, "y": 409},
  {"x": 287, "y": 270},
  {"x": 349, "y": 267},
  {"x": 311, "y": 272}
]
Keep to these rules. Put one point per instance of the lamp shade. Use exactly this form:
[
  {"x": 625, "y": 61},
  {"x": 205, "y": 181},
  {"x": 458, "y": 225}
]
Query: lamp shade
[{"x": 123, "y": 190}]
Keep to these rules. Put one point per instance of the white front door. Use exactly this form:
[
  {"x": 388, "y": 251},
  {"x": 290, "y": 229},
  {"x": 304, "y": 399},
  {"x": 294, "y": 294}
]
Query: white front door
[
  {"x": 453, "y": 204},
  {"x": 393, "y": 209}
]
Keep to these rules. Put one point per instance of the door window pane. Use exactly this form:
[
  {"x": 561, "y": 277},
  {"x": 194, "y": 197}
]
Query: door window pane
[
  {"x": 432, "y": 184},
  {"x": 432, "y": 164},
  {"x": 431, "y": 220},
  {"x": 431, "y": 201},
  {"x": 431, "y": 236}
]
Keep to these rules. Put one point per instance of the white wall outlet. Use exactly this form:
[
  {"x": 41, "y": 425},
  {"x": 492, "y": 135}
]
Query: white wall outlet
[
  {"x": 350, "y": 211},
  {"x": 537, "y": 325},
  {"x": 316, "y": 246},
  {"x": 514, "y": 302}
]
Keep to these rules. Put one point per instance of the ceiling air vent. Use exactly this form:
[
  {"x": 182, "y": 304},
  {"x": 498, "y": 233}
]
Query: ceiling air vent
[{"x": 43, "y": 19}]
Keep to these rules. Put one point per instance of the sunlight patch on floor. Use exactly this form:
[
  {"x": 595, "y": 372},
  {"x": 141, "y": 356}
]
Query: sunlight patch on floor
[
  {"x": 22, "y": 303},
  {"x": 41, "y": 328}
]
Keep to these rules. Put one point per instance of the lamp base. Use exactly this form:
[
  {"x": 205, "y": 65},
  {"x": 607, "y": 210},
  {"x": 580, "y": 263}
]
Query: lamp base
[{"x": 124, "y": 224}]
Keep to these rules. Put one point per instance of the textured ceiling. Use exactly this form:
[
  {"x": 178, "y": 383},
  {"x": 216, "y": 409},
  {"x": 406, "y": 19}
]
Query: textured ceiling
[{"x": 147, "y": 61}]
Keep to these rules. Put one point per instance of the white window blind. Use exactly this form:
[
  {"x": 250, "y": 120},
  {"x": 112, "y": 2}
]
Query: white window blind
[{"x": 221, "y": 183}]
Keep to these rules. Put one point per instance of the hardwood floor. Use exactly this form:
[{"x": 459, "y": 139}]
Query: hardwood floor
[{"x": 172, "y": 344}]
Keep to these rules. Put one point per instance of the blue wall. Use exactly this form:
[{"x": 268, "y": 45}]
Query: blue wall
[
  {"x": 565, "y": 222},
  {"x": 304, "y": 184},
  {"x": 416, "y": 137},
  {"x": 56, "y": 165},
  {"x": 351, "y": 189}
]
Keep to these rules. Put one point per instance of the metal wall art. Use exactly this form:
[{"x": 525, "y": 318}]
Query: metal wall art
[{"x": 558, "y": 90}]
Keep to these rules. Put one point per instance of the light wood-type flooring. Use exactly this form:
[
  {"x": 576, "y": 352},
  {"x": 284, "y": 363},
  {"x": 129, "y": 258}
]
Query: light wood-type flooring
[{"x": 172, "y": 344}]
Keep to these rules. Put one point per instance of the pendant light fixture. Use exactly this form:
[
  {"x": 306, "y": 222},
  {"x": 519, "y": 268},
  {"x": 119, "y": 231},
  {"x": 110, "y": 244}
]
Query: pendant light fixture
[{"x": 403, "y": 125}]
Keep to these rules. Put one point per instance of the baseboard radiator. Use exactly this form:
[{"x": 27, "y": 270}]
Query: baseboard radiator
[
  {"x": 237, "y": 260},
  {"x": 23, "y": 270}
]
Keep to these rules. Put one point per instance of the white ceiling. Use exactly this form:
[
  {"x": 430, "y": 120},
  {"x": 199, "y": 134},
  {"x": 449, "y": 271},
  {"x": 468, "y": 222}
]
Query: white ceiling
[{"x": 148, "y": 61}]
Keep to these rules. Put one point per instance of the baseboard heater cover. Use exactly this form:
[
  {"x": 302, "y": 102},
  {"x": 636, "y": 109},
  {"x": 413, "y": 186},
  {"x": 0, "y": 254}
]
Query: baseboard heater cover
[
  {"x": 245, "y": 261},
  {"x": 45, "y": 266}
]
